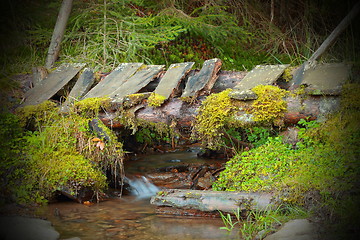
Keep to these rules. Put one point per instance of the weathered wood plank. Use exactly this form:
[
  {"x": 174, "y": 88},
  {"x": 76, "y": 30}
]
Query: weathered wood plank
[
  {"x": 212, "y": 200},
  {"x": 139, "y": 80},
  {"x": 81, "y": 86},
  {"x": 260, "y": 75},
  {"x": 114, "y": 80},
  {"x": 170, "y": 81},
  {"x": 326, "y": 79},
  {"x": 51, "y": 84},
  {"x": 204, "y": 80}
]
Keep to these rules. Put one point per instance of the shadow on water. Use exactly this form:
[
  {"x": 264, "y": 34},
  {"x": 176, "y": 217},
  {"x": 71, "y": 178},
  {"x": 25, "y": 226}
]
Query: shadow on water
[{"x": 132, "y": 217}]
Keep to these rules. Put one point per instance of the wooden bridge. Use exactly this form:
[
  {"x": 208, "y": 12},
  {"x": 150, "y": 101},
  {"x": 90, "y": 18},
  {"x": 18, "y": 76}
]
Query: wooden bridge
[
  {"x": 130, "y": 78},
  {"x": 322, "y": 84}
]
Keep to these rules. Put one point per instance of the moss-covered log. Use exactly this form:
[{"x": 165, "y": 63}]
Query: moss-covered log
[{"x": 310, "y": 107}]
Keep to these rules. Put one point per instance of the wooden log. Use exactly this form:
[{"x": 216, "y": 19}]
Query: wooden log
[
  {"x": 312, "y": 107},
  {"x": 209, "y": 201}
]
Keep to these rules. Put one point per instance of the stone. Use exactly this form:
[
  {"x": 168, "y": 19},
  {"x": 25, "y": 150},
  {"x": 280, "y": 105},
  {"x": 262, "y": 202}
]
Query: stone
[
  {"x": 25, "y": 228},
  {"x": 298, "y": 229}
]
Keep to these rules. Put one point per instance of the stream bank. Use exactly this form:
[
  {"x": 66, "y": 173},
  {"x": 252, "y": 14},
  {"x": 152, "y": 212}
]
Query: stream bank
[{"x": 131, "y": 216}]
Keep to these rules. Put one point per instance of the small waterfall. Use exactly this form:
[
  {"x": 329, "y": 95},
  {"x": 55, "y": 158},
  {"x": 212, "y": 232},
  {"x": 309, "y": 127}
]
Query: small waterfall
[{"x": 142, "y": 187}]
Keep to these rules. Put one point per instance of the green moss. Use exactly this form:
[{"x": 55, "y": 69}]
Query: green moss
[
  {"x": 324, "y": 163},
  {"x": 135, "y": 99},
  {"x": 270, "y": 105},
  {"x": 60, "y": 154},
  {"x": 36, "y": 114},
  {"x": 155, "y": 100},
  {"x": 146, "y": 131},
  {"x": 214, "y": 113},
  {"x": 287, "y": 75},
  {"x": 90, "y": 107},
  {"x": 154, "y": 133},
  {"x": 260, "y": 169}
]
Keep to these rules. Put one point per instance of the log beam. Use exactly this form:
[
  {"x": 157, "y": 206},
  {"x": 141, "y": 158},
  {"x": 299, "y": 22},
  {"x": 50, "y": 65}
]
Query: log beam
[
  {"x": 313, "y": 107},
  {"x": 209, "y": 201}
]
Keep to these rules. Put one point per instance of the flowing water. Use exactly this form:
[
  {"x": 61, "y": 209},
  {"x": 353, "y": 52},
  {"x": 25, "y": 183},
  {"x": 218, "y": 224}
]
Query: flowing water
[{"x": 132, "y": 217}]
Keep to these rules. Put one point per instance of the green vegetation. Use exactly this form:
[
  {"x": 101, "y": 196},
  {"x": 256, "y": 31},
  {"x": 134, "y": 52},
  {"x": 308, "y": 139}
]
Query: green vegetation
[
  {"x": 154, "y": 133},
  {"x": 258, "y": 169},
  {"x": 106, "y": 33},
  {"x": 214, "y": 114},
  {"x": 252, "y": 223},
  {"x": 156, "y": 100},
  {"x": 270, "y": 105},
  {"x": 258, "y": 135},
  {"x": 216, "y": 126},
  {"x": 324, "y": 163},
  {"x": 44, "y": 151}
]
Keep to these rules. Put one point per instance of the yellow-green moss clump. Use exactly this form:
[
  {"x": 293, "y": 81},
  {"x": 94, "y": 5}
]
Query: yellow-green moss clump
[
  {"x": 214, "y": 113},
  {"x": 287, "y": 75},
  {"x": 155, "y": 100},
  {"x": 270, "y": 105},
  {"x": 90, "y": 107}
]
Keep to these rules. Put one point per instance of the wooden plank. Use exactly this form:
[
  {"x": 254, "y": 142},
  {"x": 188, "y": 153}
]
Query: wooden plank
[
  {"x": 260, "y": 75},
  {"x": 51, "y": 84},
  {"x": 81, "y": 86},
  {"x": 139, "y": 80},
  {"x": 114, "y": 80},
  {"x": 326, "y": 78},
  {"x": 170, "y": 81},
  {"x": 204, "y": 80},
  {"x": 212, "y": 200}
]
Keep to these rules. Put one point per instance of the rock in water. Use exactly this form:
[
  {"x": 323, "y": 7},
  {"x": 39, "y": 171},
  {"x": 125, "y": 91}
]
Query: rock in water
[{"x": 25, "y": 228}]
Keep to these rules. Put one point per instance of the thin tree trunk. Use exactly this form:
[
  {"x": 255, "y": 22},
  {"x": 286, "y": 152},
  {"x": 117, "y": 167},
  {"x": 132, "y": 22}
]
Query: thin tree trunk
[{"x": 58, "y": 33}]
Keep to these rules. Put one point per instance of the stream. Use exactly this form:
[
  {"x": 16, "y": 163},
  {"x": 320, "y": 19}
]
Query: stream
[{"x": 132, "y": 216}]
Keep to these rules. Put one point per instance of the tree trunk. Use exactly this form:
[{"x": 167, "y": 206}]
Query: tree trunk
[
  {"x": 209, "y": 201},
  {"x": 58, "y": 33}
]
